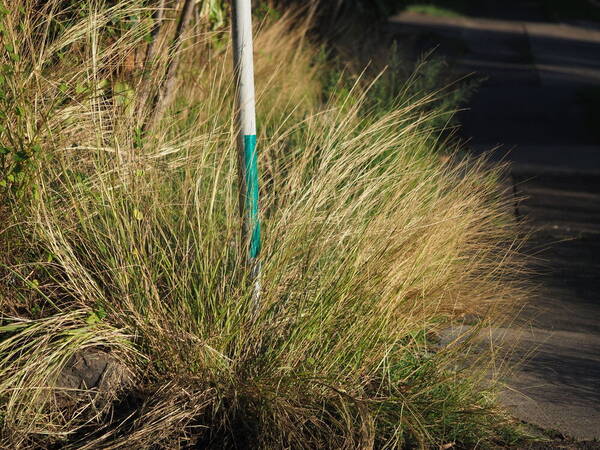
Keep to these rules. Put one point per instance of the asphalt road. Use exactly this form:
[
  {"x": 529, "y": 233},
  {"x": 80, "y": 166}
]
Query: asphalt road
[{"x": 531, "y": 111}]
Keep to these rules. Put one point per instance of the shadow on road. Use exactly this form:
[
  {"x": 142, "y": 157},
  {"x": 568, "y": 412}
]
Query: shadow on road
[{"x": 529, "y": 111}]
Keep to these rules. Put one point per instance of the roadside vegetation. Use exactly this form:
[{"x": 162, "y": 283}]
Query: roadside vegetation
[{"x": 120, "y": 243}]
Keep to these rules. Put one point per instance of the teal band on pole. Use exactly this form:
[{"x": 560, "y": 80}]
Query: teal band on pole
[{"x": 251, "y": 169}]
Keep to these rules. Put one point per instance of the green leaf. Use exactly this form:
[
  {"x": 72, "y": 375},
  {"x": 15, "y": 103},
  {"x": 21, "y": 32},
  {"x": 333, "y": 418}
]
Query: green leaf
[
  {"x": 137, "y": 214},
  {"x": 21, "y": 156},
  {"x": 92, "y": 319},
  {"x": 100, "y": 312},
  {"x": 138, "y": 138},
  {"x": 103, "y": 84},
  {"x": 96, "y": 316}
]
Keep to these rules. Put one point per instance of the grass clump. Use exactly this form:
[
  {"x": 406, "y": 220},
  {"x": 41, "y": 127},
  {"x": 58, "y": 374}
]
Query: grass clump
[{"x": 132, "y": 252}]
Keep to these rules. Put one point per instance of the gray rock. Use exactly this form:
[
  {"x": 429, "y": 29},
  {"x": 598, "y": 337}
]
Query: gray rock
[{"x": 92, "y": 375}]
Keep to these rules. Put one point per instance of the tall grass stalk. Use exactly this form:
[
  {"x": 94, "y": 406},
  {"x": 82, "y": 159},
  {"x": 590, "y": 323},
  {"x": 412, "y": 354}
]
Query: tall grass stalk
[{"x": 372, "y": 245}]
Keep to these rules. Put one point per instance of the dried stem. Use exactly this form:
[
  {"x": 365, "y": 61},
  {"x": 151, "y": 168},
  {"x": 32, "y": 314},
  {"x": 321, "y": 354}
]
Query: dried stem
[
  {"x": 165, "y": 94},
  {"x": 145, "y": 88}
]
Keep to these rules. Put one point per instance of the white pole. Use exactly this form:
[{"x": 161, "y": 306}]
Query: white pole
[{"x": 247, "y": 152}]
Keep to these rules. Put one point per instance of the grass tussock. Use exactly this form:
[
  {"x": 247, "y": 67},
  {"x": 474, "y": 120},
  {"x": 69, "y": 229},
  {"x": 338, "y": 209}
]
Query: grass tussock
[{"x": 130, "y": 248}]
